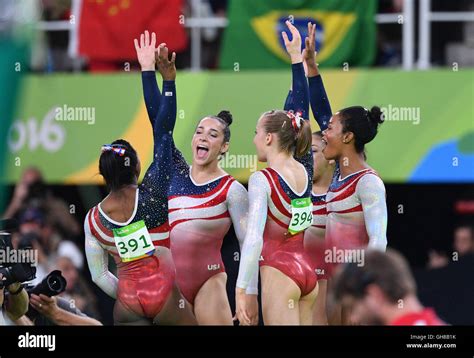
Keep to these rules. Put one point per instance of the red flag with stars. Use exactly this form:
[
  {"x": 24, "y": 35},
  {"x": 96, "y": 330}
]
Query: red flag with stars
[{"x": 107, "y": 27}]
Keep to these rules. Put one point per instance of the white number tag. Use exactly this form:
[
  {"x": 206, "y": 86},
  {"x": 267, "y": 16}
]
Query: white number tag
[
  {"x": 301, "y": 215},
  {"x": 133, "y": 241}
]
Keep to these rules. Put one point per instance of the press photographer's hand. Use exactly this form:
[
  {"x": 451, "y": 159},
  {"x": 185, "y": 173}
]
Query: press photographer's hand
[{"x": 47, "y": 306}]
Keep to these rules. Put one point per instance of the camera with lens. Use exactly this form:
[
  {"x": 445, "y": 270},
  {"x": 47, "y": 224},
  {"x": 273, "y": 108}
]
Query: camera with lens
[
  {"x": 12, "y": 271},
  {"x": 52, "y": 285}
]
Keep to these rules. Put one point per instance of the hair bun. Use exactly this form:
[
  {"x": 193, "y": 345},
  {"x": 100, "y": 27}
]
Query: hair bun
[
  {"x": 376, "y": 116},
  {"x": 226, "y": 116}
]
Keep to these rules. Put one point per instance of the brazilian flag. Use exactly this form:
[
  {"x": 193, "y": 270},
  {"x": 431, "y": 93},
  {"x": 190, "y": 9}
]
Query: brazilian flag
[{"x": 345, "y": 32}]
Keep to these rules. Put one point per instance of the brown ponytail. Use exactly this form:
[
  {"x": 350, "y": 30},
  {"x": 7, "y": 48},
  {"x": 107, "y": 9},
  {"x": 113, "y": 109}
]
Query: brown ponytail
[
  {"x": 303, "y": 139},
  {"x": 292, "y": 140}
]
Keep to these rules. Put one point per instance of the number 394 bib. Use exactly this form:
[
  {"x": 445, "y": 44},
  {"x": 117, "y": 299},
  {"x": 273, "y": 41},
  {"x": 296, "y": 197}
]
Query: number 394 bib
[
  {"x": 301, "y": 215},
  {"x": 133, "y": 241}
]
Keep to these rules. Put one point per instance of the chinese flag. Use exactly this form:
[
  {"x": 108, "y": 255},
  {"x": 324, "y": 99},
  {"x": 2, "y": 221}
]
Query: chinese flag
[{"x": 107, "y": 27}]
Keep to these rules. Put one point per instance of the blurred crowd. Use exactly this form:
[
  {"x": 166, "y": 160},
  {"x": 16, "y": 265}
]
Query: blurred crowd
[
  {"x": 49, "y": 225},
  {"x": 453, "y": 39},
  {"x": 462, "y": 246}
]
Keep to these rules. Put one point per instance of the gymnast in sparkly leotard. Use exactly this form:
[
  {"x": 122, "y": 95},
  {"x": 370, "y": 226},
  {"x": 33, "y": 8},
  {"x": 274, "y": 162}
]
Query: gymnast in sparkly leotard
[
  {"x": 204, "y": 201},
  {"x": 355, "y": 202},
  {"x": 131, "y": 223},
  {"x": 354, "y": 205},
  {"x": 280, "y": 203},
  {"x": 314, "y": 236}
]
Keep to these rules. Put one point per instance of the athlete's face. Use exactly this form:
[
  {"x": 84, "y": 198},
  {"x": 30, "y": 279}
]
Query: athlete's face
[
  {"x": 333, "y": 138},
  {"x": 208, "y": 141},
  {"x": 320, "y": 163},
  {"x": 261, "y": 140}
]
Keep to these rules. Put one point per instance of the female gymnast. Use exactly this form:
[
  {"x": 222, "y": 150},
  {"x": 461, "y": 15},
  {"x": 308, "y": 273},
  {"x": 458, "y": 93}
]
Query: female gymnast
[
  {"x": 203, "y": 202},
  {"x": 356, "y": 207},
  {"x": 314, "y": 236},
  {"x": 370, "y": 215},
  {"x": 355, "y": 201},
  {"x": 131, "y": 223},
  {"x": 280, "y": 203}
]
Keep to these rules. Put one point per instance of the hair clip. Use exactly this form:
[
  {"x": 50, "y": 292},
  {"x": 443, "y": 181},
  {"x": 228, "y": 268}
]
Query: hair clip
[
  {"x": 117, "y": 150},
  {"x": 296, "y": 120}
]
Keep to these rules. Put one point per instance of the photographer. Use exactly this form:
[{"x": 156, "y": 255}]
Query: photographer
[
  {"x": 60, "y": 312},
  {"x": 46, "y": 308},
  {"x": 55, "y": 311},
  {"x": 13, "y": 297},
  {"x": 16, "y": 304}
]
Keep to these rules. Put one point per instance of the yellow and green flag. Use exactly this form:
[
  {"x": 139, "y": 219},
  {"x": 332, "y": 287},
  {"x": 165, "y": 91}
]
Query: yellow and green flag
[{"x": 345, "y": 32}]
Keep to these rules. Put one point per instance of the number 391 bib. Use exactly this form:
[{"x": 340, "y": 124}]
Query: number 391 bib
[
  {"x": 133, "y": 241},
  {"x": 301, "y": 215}
]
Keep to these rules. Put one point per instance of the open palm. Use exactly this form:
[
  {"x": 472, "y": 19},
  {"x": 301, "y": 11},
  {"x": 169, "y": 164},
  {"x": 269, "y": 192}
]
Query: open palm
[
  {"x": 146, "y": 51},
  {"x": 293, "y": 47},
  {"x": 166, "y": 66}
]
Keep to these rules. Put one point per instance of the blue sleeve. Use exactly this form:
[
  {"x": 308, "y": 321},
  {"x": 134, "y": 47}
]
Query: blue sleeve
[
  {"x": 300, "y": 103},
  {"x": 177, "y": 159},
  {"x": 161, "y": 119},
  {"x": 151, "y": 94},
  {"x": 153, "y": 99},
  {"x": 300, "y": 92},
  {"x": 319, "y": 101},
  {"x": 166, "y": 117},
  {"x": 179, "y": 162},
  {"x": 160, "y": 170},
  {"x": 288, "y": 101}
]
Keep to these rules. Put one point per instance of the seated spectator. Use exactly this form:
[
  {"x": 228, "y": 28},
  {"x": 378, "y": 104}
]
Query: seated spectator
[
  {"x": 463, "y": 240},
  {"x": 78, "y": 293},
  {"x": 32, "y": 192},
  {"x": 35, "y": 233},
  {"x": 463, "y": 244}
]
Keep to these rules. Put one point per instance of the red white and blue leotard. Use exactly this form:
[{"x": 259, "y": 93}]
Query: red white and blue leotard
[
  {"x": 144, "y": 285},
  {"x": 357, "y": 213},
  {"x": 270, "y": 204},
  {"x": 314, "y": 236},
  {"x": 200, "y": 215},
  {"x": 355, "y": 206},
  {"x": 281, "y": 250}
]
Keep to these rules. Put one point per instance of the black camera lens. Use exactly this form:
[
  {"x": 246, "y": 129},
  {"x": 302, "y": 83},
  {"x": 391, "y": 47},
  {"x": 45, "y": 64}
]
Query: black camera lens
[
  {"x": 55, "y": 284},
  {"x": 52, "y": 285}
]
